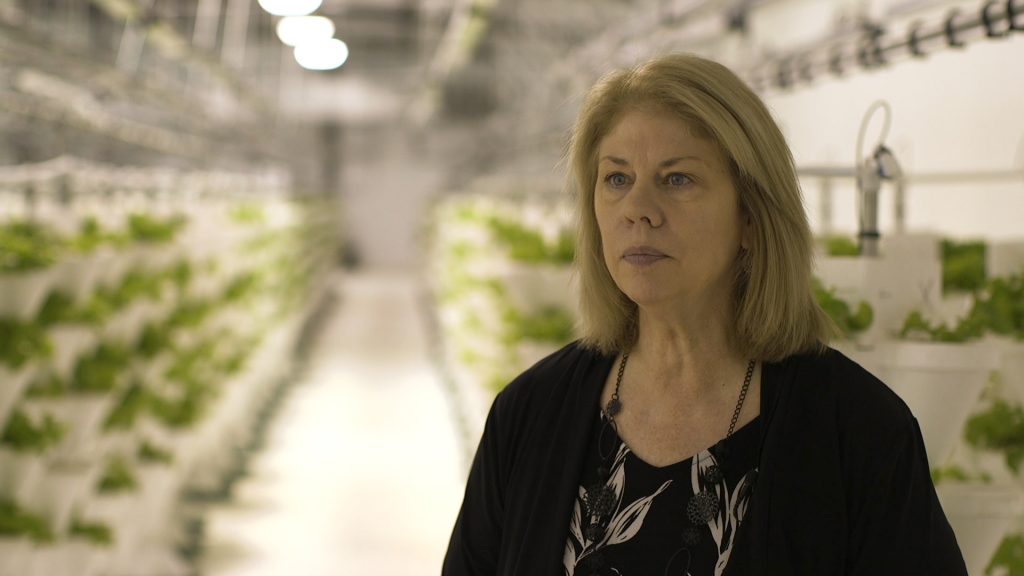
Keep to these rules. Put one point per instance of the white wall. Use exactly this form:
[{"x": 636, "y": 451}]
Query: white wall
[
  {"x": 386, "y": 183},
  {"x": 956, "y": 110}
]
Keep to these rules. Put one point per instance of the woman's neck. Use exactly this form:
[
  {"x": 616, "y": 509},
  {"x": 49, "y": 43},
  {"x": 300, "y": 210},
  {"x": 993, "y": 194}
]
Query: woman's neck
[{"x": 692, "y": 356}]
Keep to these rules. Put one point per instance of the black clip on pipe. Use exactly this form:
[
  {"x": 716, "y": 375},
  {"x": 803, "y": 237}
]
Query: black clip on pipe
[
  {"x": 951, "y": 30},
  {"x": 1012, "y": 11},
  {"x": 914, "y": 42},
  {"x": 782, "y": 74},
  {"x": 835, "y": 60},
  {"x": 804, "y": 69},
  {"x": 989, "y": 22}
]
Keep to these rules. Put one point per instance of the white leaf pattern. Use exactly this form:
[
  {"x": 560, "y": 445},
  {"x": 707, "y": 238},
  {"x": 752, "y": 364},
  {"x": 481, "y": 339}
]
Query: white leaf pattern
[
  {"x": 626, "y": 523},
  {"x": 736, "y": 513},
  {"x": 575, "y": 539}
]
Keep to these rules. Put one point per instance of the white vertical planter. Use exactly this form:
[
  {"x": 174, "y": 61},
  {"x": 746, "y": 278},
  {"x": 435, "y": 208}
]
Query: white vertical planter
[
  {"x": 534, "y": 287},
  {"x": 24, "y": 293},
  {"x": 15, "y": 556},
  {"x": 941, "y": 383},
  {"x": 83, "y": 414},
  {"x": 12, "y": 385},
  {"x": 120, "y": 443},
  {"x": 1004, "y": 258},
  {"x": 153, "y": 258},
  {"x": 981, "y": 516},
  {"x": 112, "y": 264},
  {"x": 61, "y": 488},
  {"x": 907, "y": 276},
  {"x": 126, "y": 326},
  {"x": 66, "y": 557},
  {"x": 77, "y": 276},
  {"x": 1011, "y": 366},
  {"x": 19, "y": 473},
  {"x": 70, "y": 343}
]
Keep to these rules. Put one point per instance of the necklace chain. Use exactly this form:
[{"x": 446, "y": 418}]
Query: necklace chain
[
  {"x": 615, "y": 404},
  {"x": 599, "y": 499}
]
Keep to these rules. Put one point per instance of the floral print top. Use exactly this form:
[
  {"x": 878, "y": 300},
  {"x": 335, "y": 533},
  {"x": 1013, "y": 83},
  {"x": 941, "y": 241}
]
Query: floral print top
[{"x": 646, "y": 532}]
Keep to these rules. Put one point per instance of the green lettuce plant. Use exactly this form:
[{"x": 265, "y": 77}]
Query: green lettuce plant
[
  {"x": 91, "y": 236},
  {"x": 183, "y": 412},
  {"x": 102, "y": 371},
  {"x": 27, "y": 246},
  {"x": 57, "y": 309},
  {"x": 96, "y": 533},
  {"x": 152, "y": 454},
  {"x": 148, "y": 230},
  {"x": 20, "y": 342},
  {"x": 525, "y": 245},
  {"x": 848, "y": 322},
  {"x": 16, "y": 522},
  {"x": 1000, "y": 427},
  {"x": 1009, "y": 557},
  {"x": 241, "y": 288},
  {"x": 155, "y": 338},
  {"x": 963, "y": 266},
  {"x": 49, "y": 386},
  {"x": 840, "y": 246},
  {"x": 181, "y": 275},
  {"x": 998, "y": 308},
  {"x": 551, "y": 324},
  {"x": 134, "y": 403},
  {"x": 22, "y": 435},
  {"x": 250, "y": 214},
  {"x": 190, "y": 315},
  {"x": 117, "y": 477}
]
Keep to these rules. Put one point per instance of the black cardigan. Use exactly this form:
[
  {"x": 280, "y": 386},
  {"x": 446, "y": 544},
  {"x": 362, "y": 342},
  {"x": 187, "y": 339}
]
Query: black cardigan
[{"x": 843, "y": 487}]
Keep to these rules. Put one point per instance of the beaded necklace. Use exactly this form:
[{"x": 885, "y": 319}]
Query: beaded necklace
[{"x": 599, "y": 498}]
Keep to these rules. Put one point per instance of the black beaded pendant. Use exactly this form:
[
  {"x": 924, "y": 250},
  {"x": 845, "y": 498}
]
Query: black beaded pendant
[
  {"x": 714, "y": 474},
  {"x": 702, "y": 508},
  {"x": 691, "y": 537},
  {"x": 599, "y": 500},
  {"x": 614, "y": 407},
  {"x": 594, "y": 563}
]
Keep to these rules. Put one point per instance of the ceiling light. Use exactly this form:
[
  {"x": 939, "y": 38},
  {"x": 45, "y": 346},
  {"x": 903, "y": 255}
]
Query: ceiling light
[
  {"x": 295, "y": 30},
  {"x": 321, "y": 55},
  {"x": 290, "y": 7}
]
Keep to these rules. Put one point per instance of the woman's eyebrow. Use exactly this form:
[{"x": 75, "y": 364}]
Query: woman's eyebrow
[
  {"x": 672, "y": 161},
  {"x": 663, "y": 164}
]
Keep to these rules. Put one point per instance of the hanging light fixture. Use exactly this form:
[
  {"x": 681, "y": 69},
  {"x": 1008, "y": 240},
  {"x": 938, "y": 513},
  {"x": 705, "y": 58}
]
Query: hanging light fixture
[
  {"x": 295, "y": 30},
  {"x": 321, "y": 55},
  {"x": 290, "y": 7}
]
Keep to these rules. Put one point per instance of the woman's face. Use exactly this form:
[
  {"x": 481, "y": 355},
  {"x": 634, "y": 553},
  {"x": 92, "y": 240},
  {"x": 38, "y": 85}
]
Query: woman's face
[{"x": 668, "y": 212}]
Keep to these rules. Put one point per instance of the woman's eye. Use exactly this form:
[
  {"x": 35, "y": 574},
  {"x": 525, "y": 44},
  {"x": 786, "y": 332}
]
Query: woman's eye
[
  {"x": 617, "y": 179},
  {"x": 677, "y": 179}
]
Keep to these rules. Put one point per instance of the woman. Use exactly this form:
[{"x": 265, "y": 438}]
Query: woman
[{"x": 701, "y": 425}]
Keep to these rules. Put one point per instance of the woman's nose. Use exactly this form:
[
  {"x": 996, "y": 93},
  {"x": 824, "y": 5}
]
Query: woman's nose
[{"x": 642, "y": 205}]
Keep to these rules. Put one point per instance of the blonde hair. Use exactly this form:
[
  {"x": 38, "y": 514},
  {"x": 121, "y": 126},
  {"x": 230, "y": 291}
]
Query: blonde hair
[{"x": 776, "y": 313}]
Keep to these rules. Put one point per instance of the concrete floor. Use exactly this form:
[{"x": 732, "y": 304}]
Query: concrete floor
[{"x": 362, "y": 473}]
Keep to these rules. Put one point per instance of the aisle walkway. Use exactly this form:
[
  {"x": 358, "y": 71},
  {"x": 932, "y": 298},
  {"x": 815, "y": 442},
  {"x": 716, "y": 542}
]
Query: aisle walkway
[{"x": 361, "y": 475}]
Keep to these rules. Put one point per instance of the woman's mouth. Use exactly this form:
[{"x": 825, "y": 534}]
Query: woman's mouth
[{"x": 643, "y": 255}]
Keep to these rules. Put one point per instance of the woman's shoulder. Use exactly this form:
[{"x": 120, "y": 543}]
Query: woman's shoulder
[
  {"x": 836, "y": 382},
  {"x": 566, "y": 364},
  {"x": 568, "y": 368}
]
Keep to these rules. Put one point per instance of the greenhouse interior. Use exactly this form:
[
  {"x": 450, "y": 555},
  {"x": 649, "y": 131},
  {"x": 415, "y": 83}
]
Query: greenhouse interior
[{"x": 266, "y": 265}]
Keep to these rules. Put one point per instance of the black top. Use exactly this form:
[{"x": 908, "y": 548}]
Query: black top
[
  {"x": 645, "y": 533},
  {"x": 843, "y": 485}
]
